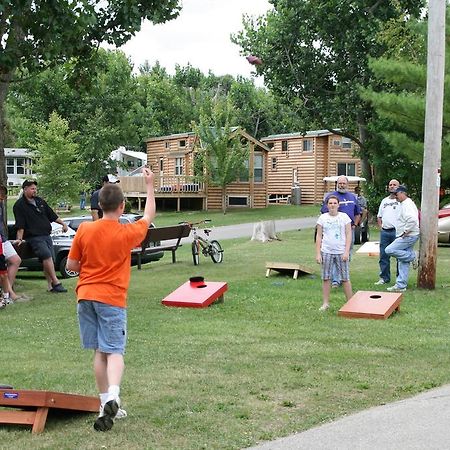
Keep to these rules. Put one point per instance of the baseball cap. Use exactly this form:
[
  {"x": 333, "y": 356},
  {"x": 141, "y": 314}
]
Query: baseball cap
[
  {"x": 27, "y": 183},
  {"x": 401, "y": 188},
  {"x": 110, "y": 179}
]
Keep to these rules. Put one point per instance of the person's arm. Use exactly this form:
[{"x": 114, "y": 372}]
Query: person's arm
[
  {"x": 319, "y": 244},
  {"x": 61, "y": 222},
  {"x": 94, "y": 214},
  {"x": 150, "y": 206},
  {"x": 348, "y": 242},
  {"x": 73, "y": 265},
  {"x": 19, "y": 236}
]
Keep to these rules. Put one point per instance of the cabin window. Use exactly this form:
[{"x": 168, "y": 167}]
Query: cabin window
[
  {"x": 284, "y": 146},
  {"x": 182, "y": 143},
  {"x": 167, "y": 145},
  {"x": 274, "y": 163},
  {"x": 307, "y": 145},
  {"x": 346, "y": 143},
  {"x": 20, "y": 166},
  {"x": 336, "y": 142},
  {"x": 258, "y": 168},
  {"x": 161, "y": 164},
  {"x": 237, "y": 200},
  {"x": 347, "y": 169},
  {"x": 178, "y": 166},
  {"x": 10, "y": 165}
]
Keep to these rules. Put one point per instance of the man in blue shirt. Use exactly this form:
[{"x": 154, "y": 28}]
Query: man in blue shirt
[{"x": 348, "y": 204}]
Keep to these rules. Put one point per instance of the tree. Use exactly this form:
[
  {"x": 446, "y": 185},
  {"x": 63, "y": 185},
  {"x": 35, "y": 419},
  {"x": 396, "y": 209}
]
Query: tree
[
  {"x": 39, "y": 34},
  {"x": 221, "y": 156},
  {"x": 56, "y": 164},
  {"x": 315, "y": 55}
]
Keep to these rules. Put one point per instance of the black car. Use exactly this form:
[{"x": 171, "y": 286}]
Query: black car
[{"x": 63, "y": 241}]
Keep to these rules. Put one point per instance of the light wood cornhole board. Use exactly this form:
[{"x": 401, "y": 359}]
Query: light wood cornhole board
[
  {"x": 33, "y": 406},
  {"x": 369, "y": 248},
  {"x": 287, "y": 267},
  {"x": 372, "y": 305}
]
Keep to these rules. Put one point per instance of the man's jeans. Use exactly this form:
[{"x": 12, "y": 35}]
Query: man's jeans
[
  {"x": 386, "y": 237},
  {"x": 335, "y": 277},
  {"x": 402, "y": 249}
]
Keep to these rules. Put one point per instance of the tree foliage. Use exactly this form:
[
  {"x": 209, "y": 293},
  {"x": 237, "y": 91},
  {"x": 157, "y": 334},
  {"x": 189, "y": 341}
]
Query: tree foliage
[
  {"x": 221, "y": 156},
  {"x": 315, "y": 55},
  {"x": 56, "y": 161},
  {"x": 39, "y": 34}
]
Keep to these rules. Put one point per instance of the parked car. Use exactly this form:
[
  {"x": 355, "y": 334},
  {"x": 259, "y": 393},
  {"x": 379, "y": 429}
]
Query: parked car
[
  {"x": 444, "y": 211},
  {"x": 63, "y": 241}
]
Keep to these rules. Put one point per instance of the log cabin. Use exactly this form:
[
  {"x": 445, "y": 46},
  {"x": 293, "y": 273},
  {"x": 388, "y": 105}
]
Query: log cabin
[
  {"x": 178, "y": 187},
  {"x": 297, "y": 164}
]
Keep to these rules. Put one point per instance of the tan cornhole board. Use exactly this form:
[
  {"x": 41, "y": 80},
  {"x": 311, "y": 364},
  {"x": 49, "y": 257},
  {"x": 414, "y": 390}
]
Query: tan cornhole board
[
  {"x": 369, "y": 248},
  {"x": 372, "y": 305},
  {"x": 287, "y": 267},
  {"x": 33, "y": 406}
]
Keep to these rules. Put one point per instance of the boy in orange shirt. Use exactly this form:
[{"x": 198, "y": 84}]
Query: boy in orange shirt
[{"x": 101, "y": 252}]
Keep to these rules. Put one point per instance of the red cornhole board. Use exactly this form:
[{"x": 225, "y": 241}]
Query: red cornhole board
[
  {"x": 33, "y": 406},
  {"x": 189, "y": 296},
  {"x": 372, "y": 305}
]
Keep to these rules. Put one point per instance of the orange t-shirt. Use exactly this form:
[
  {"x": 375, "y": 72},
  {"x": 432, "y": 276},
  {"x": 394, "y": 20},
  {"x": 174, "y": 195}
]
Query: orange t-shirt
[{"x": 104, "y": 249}]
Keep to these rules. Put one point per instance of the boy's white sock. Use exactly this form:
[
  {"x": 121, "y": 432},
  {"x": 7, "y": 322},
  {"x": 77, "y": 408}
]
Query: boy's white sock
[
  {"x": 114, "y": 390},
  {"x": 103, "y": 397}
]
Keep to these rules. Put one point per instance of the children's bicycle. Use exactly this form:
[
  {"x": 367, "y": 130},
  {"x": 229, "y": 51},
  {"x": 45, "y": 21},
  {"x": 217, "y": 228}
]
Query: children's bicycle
[{"x": 204, "y": 245}]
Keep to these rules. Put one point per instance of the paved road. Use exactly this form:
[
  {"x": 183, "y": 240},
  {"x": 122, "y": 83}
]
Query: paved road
[
  {"x": 419, "y": 423},
  {"x": 246, "y": 229}
]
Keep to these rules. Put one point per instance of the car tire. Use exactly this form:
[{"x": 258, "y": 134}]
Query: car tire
[{"x": 63, "y": 269}]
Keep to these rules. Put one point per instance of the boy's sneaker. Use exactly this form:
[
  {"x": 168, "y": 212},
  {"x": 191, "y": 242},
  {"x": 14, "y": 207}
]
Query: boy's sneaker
[
  {"x": 8, "y": 301},
  {"x": 106, "y": 421},
  {"x": 58, "y": 288},
  {"x": 2, "y": 304},
  {"x": 395, "y": 288},
  {"x": 121, "y": 413},
  {"x": 379, "y": 282}
]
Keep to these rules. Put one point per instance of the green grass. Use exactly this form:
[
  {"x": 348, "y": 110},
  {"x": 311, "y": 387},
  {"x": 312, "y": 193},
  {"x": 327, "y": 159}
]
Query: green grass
[{"x": 264, "y": 364}]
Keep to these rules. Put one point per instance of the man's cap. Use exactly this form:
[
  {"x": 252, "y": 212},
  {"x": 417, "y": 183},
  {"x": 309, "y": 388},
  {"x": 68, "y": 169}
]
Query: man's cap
[
  {"x": 27, "y": 183},
  {"x": 110, "y": 179},
  {"x": 401, "y": 188}
]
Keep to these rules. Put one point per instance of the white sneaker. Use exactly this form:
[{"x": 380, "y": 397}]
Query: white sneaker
[
  {"x": 395, "y": 288},
  {"x": 110, "y": 409},
  {"x": 121, "y": 413},
  {"x": 324, "y": 307},
  {"x": 380, "y": 281}
]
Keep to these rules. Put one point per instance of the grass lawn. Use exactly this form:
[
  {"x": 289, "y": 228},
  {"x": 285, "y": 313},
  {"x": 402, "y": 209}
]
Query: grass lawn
[{"x": 264, "y": 364}]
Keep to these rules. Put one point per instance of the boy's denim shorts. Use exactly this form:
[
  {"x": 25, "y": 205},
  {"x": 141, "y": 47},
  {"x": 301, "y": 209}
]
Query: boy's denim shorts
[{"x": 102, "y": 327}]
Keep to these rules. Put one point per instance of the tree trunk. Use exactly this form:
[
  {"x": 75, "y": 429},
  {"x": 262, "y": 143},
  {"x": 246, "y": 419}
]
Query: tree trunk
[
  {"x": 365, "y": 166},
  {"x": 224, "y": 199},
  {"x": 4, "y": 86}
]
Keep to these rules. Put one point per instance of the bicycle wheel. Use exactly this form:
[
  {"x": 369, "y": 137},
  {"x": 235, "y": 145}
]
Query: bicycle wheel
[
  {"x": 196, "y": 252},
  {"x": 216, "y": 252}
]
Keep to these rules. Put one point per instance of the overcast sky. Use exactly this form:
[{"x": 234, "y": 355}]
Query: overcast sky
[{"x": 199, "y": 36}]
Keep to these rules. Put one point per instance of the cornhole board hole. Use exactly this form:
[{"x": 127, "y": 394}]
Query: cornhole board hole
[
  {"x": 290, "y": 268},
  {"x": 372, "y": 305},
  {"x": 369, "y": 248},
  {"x": 190, "y": 295},
  {"x": 32, "y": 407}
]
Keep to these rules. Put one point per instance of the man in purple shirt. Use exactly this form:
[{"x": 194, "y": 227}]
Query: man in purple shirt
[{"x": 348, "y": 204}]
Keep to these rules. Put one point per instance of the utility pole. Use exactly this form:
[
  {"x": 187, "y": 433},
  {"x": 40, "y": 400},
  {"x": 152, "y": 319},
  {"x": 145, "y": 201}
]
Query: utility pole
[{"x": 426, "y": 277}]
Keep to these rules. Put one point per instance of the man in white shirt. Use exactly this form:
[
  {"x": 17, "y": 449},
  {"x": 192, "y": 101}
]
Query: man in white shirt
[
  {"x": 407, "y": 234},
  {"x": 387, "y": 218}
]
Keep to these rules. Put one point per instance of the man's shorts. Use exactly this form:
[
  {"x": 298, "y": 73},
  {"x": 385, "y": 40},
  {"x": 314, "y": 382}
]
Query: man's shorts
[
  {"x": 102, "y": 327},
  {"x": 42, "y": 247},
  {"x": 8, "y": 250},
  {"x": 343, "y": 267}
]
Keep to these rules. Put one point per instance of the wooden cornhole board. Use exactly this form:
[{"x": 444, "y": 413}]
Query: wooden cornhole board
[
  {"x": 291, "y": 268},
  {"x": 369, "y": 248},
  {"x": 33, "y": 406},
  {"x": 372, "y": 305},
  {"x": 189, "y": 296}
]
